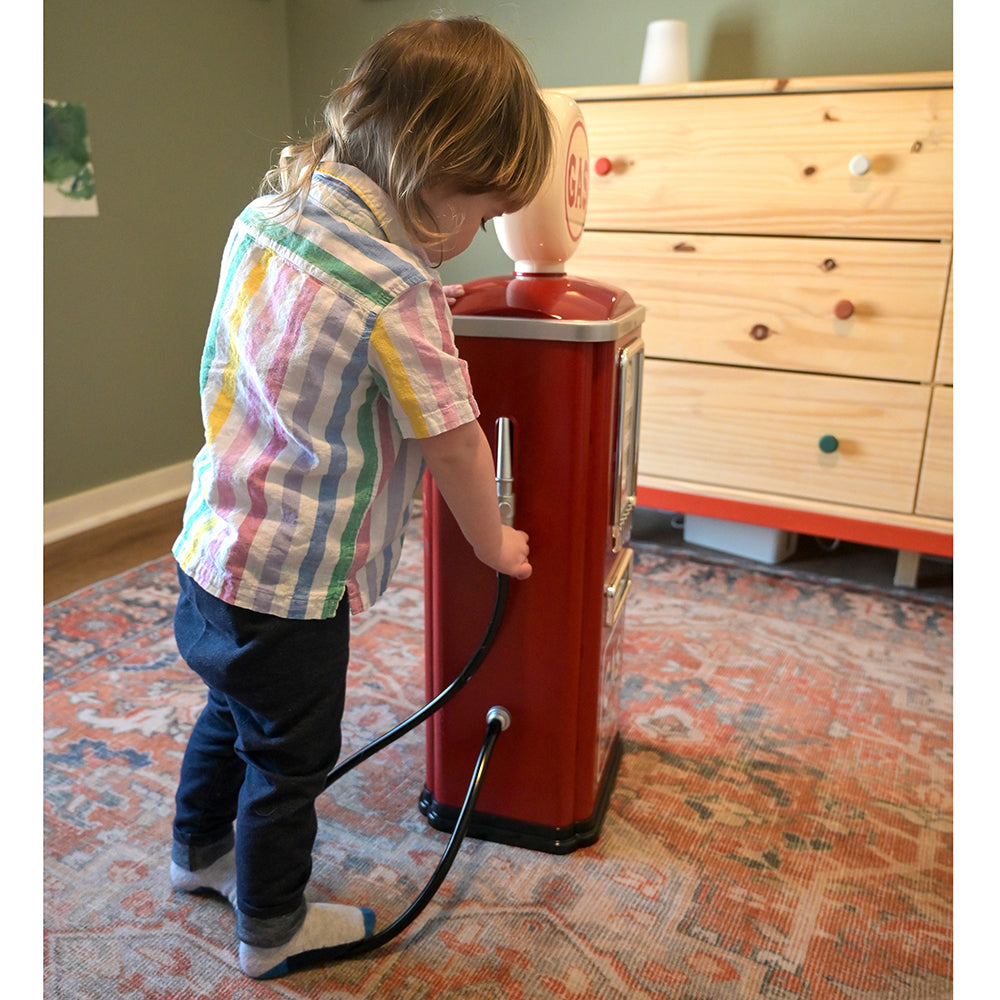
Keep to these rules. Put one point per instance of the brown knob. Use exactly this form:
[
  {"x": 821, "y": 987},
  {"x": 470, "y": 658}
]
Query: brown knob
[
  {"x": 844, "y": 309},
  {"x": 759, "y": 332}
]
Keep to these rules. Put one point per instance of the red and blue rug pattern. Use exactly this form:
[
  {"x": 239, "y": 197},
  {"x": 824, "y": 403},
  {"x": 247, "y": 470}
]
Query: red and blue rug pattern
[{"x": 781, "y": 824}]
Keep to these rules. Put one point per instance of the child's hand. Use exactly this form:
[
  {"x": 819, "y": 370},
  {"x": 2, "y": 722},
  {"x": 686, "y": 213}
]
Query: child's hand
[
  {"x": 513, "y": 558},
  {"x": 462, "y": 465},
  {"x": 452, "y": 293}
]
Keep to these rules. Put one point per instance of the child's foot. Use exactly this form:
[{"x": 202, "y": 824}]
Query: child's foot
[
  {"x": 219, "y": 876},
  {"x": 326, "y": 926}
]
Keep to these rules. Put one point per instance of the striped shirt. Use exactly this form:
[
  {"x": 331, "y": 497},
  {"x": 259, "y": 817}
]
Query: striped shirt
[{"x": 329, "y": 354}]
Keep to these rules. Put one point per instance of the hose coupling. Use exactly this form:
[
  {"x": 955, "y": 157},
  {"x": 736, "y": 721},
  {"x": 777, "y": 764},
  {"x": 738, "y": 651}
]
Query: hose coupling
[{"x": 498, "y": 714}]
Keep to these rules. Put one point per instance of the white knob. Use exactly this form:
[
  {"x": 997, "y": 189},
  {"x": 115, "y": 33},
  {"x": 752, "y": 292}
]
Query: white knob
[{"x": 859, "y": 165}]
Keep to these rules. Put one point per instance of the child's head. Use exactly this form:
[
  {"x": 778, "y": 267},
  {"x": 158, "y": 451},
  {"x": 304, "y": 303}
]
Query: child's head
[{"x": 434, "y": 104}]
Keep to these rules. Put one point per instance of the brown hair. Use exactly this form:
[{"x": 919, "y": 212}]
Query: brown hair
[{"x": 449, "y": 100}]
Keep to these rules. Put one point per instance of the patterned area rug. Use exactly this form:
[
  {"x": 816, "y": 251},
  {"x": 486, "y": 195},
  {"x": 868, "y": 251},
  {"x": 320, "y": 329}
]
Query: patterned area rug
[{"x": 781, "y": 825}]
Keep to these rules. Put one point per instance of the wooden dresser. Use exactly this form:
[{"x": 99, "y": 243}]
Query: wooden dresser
[{"x": 791, "y": 242}]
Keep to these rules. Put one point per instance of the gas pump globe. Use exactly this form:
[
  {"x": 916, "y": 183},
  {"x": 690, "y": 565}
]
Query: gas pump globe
[{"x": 545, "y": 234}]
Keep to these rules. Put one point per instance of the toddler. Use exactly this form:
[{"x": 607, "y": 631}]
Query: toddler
[{"x": 329, "y": 380}]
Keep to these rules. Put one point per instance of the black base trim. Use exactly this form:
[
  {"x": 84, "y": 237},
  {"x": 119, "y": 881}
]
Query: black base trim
[{"x": 533, "y": 836}]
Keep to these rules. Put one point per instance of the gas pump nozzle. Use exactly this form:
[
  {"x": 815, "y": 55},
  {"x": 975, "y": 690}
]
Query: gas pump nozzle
[{"x": 505, "y": 474}]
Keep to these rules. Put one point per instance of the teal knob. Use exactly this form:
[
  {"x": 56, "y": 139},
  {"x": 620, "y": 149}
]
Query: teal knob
[{"x": 828, "y": 444}]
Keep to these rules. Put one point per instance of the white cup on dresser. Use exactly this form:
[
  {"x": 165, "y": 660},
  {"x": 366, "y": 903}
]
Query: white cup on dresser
[{"x": 665, "y": 53}]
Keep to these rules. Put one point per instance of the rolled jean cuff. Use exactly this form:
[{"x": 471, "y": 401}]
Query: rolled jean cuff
[
  {"x": 269, "y": 932},
  {"x": 194, "y": 857}
]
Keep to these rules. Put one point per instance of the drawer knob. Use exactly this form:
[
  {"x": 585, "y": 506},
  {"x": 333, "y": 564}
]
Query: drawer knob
[
  {"x": 759, "y": 332},
  {"x": 602, "y": 166},
  {"x": 859, "y": 165},
  {"x": 844, "y": 309},
  {"x": 828, "y": 444}
]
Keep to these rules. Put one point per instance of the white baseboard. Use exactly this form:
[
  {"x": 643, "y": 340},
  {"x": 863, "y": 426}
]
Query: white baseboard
[{"x": 93, "y": 508}]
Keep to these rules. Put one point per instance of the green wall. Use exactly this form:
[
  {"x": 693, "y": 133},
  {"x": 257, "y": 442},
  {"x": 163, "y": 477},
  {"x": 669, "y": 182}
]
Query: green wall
[{"x": 187, "y": 100}]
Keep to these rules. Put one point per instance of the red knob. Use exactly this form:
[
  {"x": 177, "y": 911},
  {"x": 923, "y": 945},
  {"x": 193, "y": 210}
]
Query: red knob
[
  {"x": 844, "y": 309},
  {"x": 602, "y": 166}
]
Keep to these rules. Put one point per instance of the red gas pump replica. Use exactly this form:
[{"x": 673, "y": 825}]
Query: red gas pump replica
[{"x": 556, "y": 364}]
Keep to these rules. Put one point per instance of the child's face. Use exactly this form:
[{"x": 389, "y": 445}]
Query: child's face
[{"x": 461, "y": 215}]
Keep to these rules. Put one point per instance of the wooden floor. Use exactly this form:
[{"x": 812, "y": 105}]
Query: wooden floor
[{"x": 78, "y": 561}]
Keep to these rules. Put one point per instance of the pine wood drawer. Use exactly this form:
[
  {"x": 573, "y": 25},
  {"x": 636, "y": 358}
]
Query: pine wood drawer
[
  {"x": 761, "y": 431},
  {"x": 771, "y": 302},
  {"x": 934, "y": 497},
  {"x": 774, "y": 164}
]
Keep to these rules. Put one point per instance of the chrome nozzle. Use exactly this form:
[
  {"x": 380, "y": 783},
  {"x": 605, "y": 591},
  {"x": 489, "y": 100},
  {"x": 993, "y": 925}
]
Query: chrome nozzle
[{"x": 505, "y": 474}]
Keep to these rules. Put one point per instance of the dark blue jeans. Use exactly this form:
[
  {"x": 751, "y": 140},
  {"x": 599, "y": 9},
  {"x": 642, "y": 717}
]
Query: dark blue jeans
[{"x": 260, "y": 751}]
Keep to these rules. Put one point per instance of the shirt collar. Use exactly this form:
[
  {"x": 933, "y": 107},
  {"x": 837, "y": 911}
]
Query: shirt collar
[{"x": 368, "y": 204}]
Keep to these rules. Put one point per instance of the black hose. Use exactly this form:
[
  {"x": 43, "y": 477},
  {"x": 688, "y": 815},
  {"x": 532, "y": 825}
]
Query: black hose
[
  {"x": 496, "y": 722},
  {"x": 503, "y": 582},
  {"x": 352, "y": 949}
]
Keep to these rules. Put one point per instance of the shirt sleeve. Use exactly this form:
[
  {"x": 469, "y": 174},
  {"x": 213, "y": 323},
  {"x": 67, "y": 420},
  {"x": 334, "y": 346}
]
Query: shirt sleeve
[{"x": 415, "y": 360}]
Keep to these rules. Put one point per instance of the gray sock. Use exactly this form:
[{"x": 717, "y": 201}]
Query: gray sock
[
  {"x": 326, "y": 925},
  {"x": 219, "y": 876}
]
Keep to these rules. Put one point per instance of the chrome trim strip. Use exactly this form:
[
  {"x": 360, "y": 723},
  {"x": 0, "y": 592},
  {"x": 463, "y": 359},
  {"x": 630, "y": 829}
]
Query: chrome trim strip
[
  {"x": 531, "y": 328},
  {"x": 617, "y": 588}
]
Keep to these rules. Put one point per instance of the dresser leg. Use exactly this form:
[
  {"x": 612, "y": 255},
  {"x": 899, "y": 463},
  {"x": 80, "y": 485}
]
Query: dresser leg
[{"x": 907, "y": 568}]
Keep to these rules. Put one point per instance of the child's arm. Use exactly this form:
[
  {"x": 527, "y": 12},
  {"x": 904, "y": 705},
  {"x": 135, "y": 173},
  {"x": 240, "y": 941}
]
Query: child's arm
[{"x": 462, "y": 466}]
